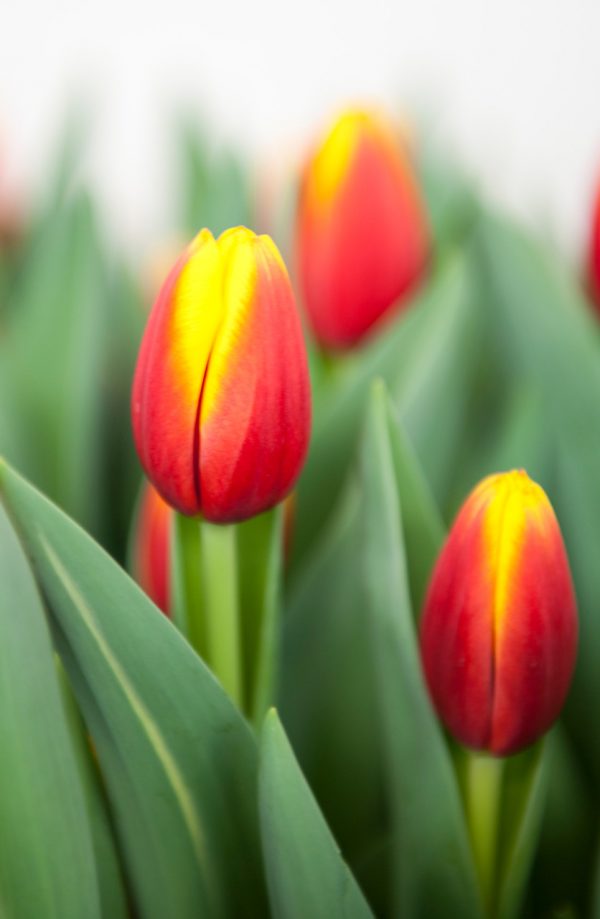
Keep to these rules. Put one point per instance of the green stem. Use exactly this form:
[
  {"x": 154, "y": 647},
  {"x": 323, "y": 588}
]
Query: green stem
[
  {"x": 186, "y": 599},
  {"x": 219, "y": 575},
  {"x": 484, "y": 788}
]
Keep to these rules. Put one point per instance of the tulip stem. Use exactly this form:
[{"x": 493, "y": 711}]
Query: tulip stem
[
  {"x": 484, "y": 790},
  {"x": 219, "y": 561}
]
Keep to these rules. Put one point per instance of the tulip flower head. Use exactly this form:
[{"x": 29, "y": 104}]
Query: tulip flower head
[
  {"x": 593, "y": 266},
  {"x": 499, "y": 626},
  {"x": 151, "y": 552},
  {"x": 221, "y": 395},
  {"x": 362, "y": 237}
]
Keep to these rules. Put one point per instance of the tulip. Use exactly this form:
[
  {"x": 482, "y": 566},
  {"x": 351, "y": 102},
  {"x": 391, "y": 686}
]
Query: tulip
[
  {"x": 499, "y": 626},
  {"x": 593, "y": 266},
  {"x": 362, "y": 237},
  {"x": 221, "y": 398},
  {"x": 151, "y": 556}
]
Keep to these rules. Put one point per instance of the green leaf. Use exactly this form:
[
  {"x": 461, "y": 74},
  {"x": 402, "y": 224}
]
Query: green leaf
[
  {"x": 433, "y": 868},
  {"x": 46, "y": 857},
  {"x": 53, "y": 360},
  {"x": 426, "y": 358},
  {"x": 110, "y": 881},
  {"x": 178, "y": 760},
  {"x": 327, "y": 695},
  {"x": 305, "y": 870},
  {"x": 422, "y": 526},
  {"x": 565, "y": 855}
]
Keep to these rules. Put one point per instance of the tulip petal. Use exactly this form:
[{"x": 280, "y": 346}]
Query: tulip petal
[
  {"x": 255, "y": 411},
  {"x": 171, "y": 368}
]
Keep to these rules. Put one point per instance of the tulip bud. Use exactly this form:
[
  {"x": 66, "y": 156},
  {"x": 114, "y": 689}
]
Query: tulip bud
[
  {"x": 499, "y": 627},
  {"x": 151, "y": 546},
  {"x": 593, "y": 266},
  {"x": 221, "y": 395},
  {"x": 362, "y": 236}
]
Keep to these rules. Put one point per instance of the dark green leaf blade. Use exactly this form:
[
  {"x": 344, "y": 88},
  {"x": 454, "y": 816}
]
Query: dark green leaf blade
[
  {"x": 306, "y": 873},
  {"x": 178, "y": 760},
  {"x": 46, "y": 857},
  {"x": 434, "y": 872}
]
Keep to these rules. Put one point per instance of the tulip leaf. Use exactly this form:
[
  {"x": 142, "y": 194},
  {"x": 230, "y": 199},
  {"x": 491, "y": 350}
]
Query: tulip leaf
[
  {"x": 178, "y": 760},
  {"x": 565, "y": 854},
  {"x": 426, "y": 358},
  {"x": 110, "y": 882},
  {"x": 433, "y": 867},
  {"x": 46, "y": 856},
  {"x": 327, "y": 695},
  {"x": 523, "y": 800},
  {"x": 422, "y": 525},
  {"x": 52, "y": 355},
  {"x": 305, "y": 870}
]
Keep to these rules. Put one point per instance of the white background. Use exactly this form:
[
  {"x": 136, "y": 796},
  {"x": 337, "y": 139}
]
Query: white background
[{"x": 511, "y": 88}]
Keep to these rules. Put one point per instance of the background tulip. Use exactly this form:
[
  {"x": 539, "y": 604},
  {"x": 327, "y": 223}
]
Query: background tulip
[
  {"x": 221, "y": 399},
  {"x": 150, "y": 547},
  {"x": 499, "y": 628},
  {"x": 593, "y": 266},
  {"x": 362, "y": 235}
]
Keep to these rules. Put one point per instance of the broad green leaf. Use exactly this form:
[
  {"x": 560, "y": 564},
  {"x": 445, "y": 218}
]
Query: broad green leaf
[
  {"x": 305, "y": 870},
  {"x": 422, "y": 526},
  {"x": 178, "y": 760},
  {"x": 113, "y": 899},
  {"x": 564, "y": 858},
  {"x": 426, "y": 358},
  {"x": 53, "y": 358},
  {"x": 327, "y": 693},
  {"x": 433, "y": 868},
  {"x": 46, "y": 856}
]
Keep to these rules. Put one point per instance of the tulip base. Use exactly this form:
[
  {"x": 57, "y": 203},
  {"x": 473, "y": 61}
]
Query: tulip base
[{"x": 483, "y": 798}]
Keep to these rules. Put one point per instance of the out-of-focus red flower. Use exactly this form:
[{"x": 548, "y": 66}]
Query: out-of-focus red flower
[
  {"x": 499, "y": 627},
  {"x": 593, "y": 263},
  {"x": 151, "y": 547},
  {"x": 221, "y": 395},
  {"x": 362, "y": 236}
]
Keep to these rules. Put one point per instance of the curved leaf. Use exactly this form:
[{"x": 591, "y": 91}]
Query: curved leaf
[
  {"x": 178, "y": 760},
  {"x": 46, "y": 857},
  {"x": 306, "y": 873},
  {"x": 434, "y": 874}
]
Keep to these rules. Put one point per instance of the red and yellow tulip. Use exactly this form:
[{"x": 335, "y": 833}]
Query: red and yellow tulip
[
  {"x": 151, "y": 547},
  {"x": 221, "y": 395},
  {"x": 362, "y": 237},
  {"x": 499, "y": 627}
]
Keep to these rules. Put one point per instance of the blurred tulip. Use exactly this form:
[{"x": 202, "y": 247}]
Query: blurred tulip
[
  {"x": 362, "y": 237},
  {"x": 221, "y": 395},
  {"x": 151, "y": 555},
  {"x": 499, "y": 627},
  {"x": 593, "y": 266}
]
